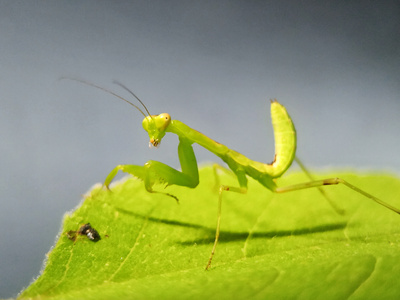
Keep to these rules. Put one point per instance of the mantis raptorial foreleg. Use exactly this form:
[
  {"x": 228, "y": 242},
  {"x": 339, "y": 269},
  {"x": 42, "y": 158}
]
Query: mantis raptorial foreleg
[{"x": 156, "y": 172}]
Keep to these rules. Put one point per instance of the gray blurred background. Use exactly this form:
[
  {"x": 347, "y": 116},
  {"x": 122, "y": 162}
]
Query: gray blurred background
[{"x": 211, "y": 64}]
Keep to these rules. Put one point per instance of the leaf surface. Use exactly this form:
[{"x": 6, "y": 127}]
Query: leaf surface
[{"x": 289, "y": 245}]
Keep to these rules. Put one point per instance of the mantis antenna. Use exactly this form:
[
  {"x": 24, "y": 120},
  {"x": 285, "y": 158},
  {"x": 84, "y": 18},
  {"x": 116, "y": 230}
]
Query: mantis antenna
[
  {"x": 114, "y": 94},
  {"x": 129, "y": 91}
]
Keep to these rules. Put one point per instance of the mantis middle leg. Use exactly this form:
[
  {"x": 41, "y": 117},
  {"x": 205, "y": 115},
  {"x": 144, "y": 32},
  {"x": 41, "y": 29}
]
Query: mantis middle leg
[{"x": 241, "y": 175}]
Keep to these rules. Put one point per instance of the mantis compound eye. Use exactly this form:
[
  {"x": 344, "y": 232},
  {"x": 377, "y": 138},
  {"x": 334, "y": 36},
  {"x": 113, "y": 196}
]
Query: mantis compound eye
[{"x": 162, "y": 121}]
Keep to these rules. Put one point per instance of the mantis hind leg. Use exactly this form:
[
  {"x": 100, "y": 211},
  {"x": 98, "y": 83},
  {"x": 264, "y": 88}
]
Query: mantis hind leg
[
  {"x": 224, "y": 188},
  {"x": 334, "y": 181},
  {"x": 335, "y": 207}
]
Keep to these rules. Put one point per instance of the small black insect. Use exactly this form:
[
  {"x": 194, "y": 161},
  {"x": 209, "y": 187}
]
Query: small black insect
[
  {"x": 85, "y": 229},
  {"x": 90, "y": 232}
]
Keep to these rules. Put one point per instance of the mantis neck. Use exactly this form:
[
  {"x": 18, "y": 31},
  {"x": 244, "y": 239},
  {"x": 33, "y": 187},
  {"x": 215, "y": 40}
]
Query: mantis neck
[{"x": 193, "y": 136}]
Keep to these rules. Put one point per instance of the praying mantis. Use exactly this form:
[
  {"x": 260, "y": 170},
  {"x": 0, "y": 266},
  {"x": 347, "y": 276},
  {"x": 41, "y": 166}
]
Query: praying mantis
[{"x": 153, "y": 172}]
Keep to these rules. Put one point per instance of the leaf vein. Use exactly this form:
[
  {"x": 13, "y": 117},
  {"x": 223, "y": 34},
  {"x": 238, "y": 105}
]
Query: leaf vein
[{"x": 140, "y": 233}]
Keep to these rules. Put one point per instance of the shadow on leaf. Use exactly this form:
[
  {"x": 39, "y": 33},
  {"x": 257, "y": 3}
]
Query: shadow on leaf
[{"x": 230, "y": 236}]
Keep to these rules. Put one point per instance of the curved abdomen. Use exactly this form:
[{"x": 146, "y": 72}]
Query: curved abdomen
[{"x": 285, "y": 140}]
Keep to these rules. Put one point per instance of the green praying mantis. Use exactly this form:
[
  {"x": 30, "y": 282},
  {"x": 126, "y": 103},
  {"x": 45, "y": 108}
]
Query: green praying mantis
[{"x": 153, "y": 172}]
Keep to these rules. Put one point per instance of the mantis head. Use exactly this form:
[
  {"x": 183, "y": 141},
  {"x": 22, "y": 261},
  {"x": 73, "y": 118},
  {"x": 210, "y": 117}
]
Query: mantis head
[{"x": 156, "y": 126}]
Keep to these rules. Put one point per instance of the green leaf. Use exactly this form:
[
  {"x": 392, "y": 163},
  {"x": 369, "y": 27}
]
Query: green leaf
[{"x": 289, "y": 245}]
